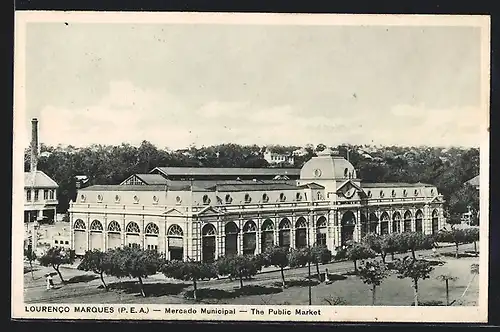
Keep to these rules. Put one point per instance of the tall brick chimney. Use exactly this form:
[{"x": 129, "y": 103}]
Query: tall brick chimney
[{"x": 34, "y": 145}]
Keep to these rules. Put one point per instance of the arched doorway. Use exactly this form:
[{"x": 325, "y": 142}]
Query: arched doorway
[
  {"x": 373, "y": 220},
  {"x": 396, "y": 222},
  {"x": 208, "y": 243},
  {"x": 384, "y": 223},
  {"x": 114, "y": 235},
  {"x": 284, "y": 233},
  {"x": 80, "y": 237},
  {"x": 267, "y": 235},
  {"x": 347, "y": 223},
  {"x": 419, "y": 216},
  {"x": 407, "y": 222},
  {"x": 175, "y": 242},
  {"x": 152, "y": 232},
  {"x": 231, "y": 239},
  {"x": 321, "y": 230},
  {"x": 435, "y": 222},
  {"x": 132, "y": 235},
  {"x": 249, "y": 237},
  {"x": 96, "y": 233},
  {"x": 301, "y": 233}
]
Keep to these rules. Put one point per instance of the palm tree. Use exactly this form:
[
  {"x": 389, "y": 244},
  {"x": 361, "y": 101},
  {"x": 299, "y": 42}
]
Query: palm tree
[{"x": 446, "y": 278}]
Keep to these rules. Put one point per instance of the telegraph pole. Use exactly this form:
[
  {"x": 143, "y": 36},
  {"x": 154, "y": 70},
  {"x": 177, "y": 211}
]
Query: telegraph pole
[{"x": 309, "y": 280}]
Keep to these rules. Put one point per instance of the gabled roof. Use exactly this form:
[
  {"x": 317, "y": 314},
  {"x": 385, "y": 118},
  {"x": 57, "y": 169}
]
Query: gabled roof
[
  {"x": 474, "y": 181},
  {"x": 194, "y": 171},
  {"x": 38, "y": 179},
  {"x": 312, "y": 185},
  {"x": 152, "y": 179},
  {"x": 351, "y": 183}
]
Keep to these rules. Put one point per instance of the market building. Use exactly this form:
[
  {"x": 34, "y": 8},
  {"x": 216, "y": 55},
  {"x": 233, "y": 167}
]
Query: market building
[{"x": 204, "y": 213}]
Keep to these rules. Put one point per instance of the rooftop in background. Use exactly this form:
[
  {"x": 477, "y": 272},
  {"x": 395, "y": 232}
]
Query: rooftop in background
[
  {"x": 394, "y": 185},
  {"x": 38, "y": 179},
  {"x": 226, "y": 172},
  {"x": 474, "y": 181}
]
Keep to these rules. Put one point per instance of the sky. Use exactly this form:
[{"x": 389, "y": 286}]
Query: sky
[{"x": 180, "y": 85}]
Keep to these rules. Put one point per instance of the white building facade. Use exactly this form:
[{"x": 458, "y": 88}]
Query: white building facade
[{"x": 203, "y": 219}]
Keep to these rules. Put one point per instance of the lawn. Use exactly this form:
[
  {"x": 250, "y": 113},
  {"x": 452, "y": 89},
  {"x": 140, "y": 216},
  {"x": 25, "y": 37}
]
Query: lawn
[{"x": 264, "y": 289}]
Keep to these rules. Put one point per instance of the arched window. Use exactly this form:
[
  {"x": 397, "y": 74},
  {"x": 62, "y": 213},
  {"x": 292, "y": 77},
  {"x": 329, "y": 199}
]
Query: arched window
[
  {"x": 396, "y": 222},
  {"x": 96, "y": 226},
  {"x": 155, "y": 199},
  {"x": 248, "y": 199},
  {"x": 381, "y": 194},
  {"x": 369, "y": 194},
  {"x": 175, "y": 230},
  {"x": 114, "y": 226},
  {"x": 321, "y": 231},
  {"x": 405, "y": 193},
  {"x": 282, "y": 197},
  {"x": 419, "y": 216},
  {"x": 407, "y": 221},
  {"x": 298, "y": 197},
  {"x": 136, "y": 199},
  {"x": 132, "y": 227},
  {"x": 82, "y": 197},
  {"x": 229, "y": 199},
  {"x": 432, "y": 192},
  {"x": 152, "y": 229},
  {"x": 178, "y": 200},
  {"x": 320, "y": 196},
  {"x": 79, "y": 224},
  {"x": 415, "y": 192},
  {"x": 393, "y": 193},
  {"x": 206, "y": 200},
  {"x": 301, "y": 223},
  {"x": 249, "y": 227},
  {"x": 346, "y": 172},
  {"x": 208, "y": 230},
  {"x": 284, "y": 224},
  {"x": 267, "y": 225},
  {"x": 117, "y": 199},
  {"x": 99, "y": 198},
  {"x": 265, "y": 198}
]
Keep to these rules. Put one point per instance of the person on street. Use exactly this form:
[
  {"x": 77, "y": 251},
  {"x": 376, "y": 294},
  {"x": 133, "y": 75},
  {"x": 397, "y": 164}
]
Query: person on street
[{"x": 50, "y": 282}]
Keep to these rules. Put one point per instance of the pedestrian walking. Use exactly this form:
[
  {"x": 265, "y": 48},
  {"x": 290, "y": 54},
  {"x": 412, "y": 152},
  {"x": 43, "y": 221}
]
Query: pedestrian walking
[
  {"x": 326, "y": 276},
  {"x": 50, "y": 282}
]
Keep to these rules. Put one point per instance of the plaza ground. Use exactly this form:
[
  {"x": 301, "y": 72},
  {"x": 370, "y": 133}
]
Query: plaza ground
[{"x": 85, "y": 287}]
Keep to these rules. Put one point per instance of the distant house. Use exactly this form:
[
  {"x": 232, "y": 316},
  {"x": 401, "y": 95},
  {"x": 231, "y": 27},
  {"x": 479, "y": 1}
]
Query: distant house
[
  {"x": 300, "y": 152},
  {"x": 278, "y": 158},
  {"x": 474, "y": 182}
]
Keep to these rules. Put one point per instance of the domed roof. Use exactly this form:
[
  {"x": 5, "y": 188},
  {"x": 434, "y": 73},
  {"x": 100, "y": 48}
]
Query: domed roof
[{"x": 328, "y": 165}]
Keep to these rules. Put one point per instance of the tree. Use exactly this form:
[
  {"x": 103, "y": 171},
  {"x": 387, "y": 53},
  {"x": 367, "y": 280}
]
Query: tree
[
  {"x": 472, "y": 235},
  {"x": 189, "y": 271},
  {"x": 414, "y": 241},
  {"x": 372, "y": 273},
  {"x": 55, "y": 257},
  {"x": 239, "y": 266},
  {"x": 457, "y": 236},
  {"x": 415, "y": 270},
  {"x": 278, "y": 256},
  {"x": 356, "y": 251},
  {"x": 446, "y": 278},
  {"x": 98, "y": 262},
  {"x": 135, "y": 263},
  {"x": 30, "y": 255},
  {"x": 320, "y": 255},
  {"x": 381, "y": 244}
]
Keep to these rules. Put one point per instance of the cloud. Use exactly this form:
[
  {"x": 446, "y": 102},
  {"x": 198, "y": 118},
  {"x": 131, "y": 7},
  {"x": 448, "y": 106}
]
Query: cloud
[{"x": 128, "y": 113}]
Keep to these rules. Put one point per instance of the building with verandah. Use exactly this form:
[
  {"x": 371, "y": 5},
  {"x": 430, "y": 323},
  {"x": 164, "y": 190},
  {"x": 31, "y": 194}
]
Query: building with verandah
[{"x": 206, "y": 213}]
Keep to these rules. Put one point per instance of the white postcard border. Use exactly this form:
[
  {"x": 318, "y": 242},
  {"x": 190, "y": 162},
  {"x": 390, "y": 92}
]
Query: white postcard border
[{"x": 328, "y": 313}]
